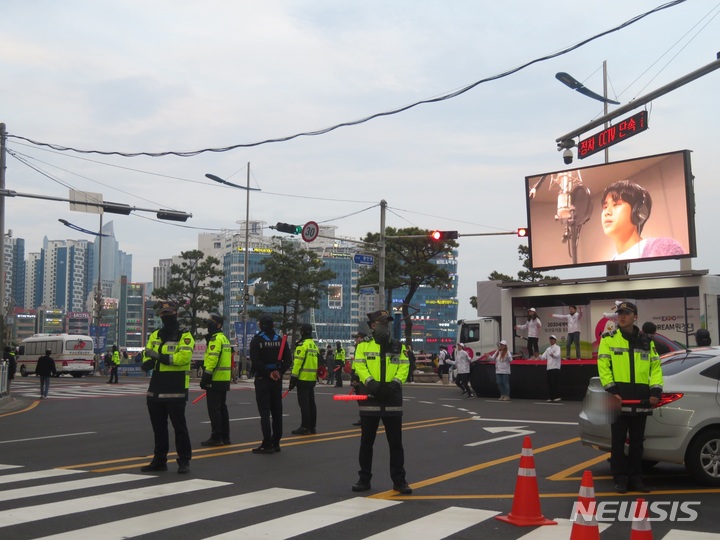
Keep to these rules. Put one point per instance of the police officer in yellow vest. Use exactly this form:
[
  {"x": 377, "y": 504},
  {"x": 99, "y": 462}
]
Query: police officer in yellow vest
[
  {"x": 304, "y": 376},
  {"x": 217, "y": 365},
  {"x": 114, "y": 363},
  {"x": 629, "y": 369},
  {"x": 382, "y": 367},
  {"x": 339, "y": 364},
  {"x": 168, "y": 354}
]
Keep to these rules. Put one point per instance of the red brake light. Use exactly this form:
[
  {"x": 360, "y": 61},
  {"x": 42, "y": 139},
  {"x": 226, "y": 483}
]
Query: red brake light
[{"x": 666, "y": 398}]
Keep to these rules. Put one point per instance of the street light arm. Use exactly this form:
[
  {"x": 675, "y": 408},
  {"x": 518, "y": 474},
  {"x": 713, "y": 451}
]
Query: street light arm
[
  {"x": 221, "y": 181},
  {"x": 77, "y": 228}
]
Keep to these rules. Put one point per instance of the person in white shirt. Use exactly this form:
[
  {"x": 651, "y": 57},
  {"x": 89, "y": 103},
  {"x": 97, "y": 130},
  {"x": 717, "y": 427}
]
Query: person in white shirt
[
  {"x": 502, "y": 359},
  {"x": 573, "y": 322},
  {"x": 533, "y": 327},
  {"x": 552, "y": 357},
  {"x": 462, "y": 363}
]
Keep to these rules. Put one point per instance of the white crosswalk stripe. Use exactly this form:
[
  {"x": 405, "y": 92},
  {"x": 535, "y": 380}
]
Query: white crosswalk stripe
[
  {"x": 445, "y": 523},
  {"x": 74, "y": 391}
]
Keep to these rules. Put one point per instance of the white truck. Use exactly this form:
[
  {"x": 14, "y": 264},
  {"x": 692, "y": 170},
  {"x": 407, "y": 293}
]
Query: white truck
[{"x": 480, "y": 336}]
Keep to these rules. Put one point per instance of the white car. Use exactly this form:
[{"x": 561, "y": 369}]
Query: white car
[{"x": 684, "y": 426}]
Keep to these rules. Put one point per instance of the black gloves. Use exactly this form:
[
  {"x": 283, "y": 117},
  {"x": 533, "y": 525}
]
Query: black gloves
[
  {"x": 164, "y": 359},
  {"x": 373, "y": 387},
  {"x": 293, "y": 382},
  {"x": 206, "y": 380},
  {"x": 148, "y": 365}
]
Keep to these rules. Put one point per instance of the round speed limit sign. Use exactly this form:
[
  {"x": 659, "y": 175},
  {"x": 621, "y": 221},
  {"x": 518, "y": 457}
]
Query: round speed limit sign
[{"x": 310, "y": 231}]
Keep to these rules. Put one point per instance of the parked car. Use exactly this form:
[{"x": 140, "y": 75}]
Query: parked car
[{"x": 683, "y": 428}]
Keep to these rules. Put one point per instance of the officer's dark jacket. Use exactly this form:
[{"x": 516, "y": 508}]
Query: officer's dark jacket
[{"x": 264, "y": 352}]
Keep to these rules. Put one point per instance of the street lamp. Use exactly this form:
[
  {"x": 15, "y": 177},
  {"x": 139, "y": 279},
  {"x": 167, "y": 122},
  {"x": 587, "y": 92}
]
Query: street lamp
[{"x": 246, "y": 293}]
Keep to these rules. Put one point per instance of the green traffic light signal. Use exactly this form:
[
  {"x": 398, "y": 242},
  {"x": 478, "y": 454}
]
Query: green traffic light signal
[{"x": 288, "y": 228}]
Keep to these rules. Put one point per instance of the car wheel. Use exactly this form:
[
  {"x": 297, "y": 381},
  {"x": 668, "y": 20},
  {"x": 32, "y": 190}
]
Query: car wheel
[
  {"x": 23, "y": 371},
  {"x": 703, "y": 458}
]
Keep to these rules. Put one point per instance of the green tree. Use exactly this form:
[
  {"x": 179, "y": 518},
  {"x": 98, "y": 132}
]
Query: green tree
[
  {"x": 409, "y": 262},
  {"x": 296, "y": 282},
  {"x": 195, "y": 284}
]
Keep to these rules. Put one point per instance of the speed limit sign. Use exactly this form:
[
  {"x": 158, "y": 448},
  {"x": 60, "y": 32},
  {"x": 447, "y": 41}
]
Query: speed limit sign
[{"x": 310, "y": 231}]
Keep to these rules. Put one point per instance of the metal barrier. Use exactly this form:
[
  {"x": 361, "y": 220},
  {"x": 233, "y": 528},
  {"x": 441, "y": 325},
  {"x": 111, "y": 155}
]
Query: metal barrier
[{"x": 4, "y": 369}]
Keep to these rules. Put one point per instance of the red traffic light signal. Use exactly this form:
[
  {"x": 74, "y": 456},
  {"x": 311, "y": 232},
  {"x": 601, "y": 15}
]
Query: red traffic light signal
[
  {"x": 443, "y": 235},
  {"x": 523, "y": 232}
]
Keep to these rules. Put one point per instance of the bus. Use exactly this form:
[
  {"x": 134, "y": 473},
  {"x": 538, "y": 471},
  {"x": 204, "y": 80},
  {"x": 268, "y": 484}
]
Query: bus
[{"x": 73, "y": 354}]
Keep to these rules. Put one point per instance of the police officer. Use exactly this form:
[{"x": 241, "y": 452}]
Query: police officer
[
  {"x": 629, "y": 369},
  {"x": 339, "y": 364},
  {"x": 114, "y": 363},
  {"x": 168, "y": 354},
  {"x": 270, "y": 361},
  {"x": 304, "y": 376},
  {"x": 9, "y": 357},
  {"x": 361, "y": 338},
  {"x": 382, "y": 367},
  {"x": 217, "y": 365}
]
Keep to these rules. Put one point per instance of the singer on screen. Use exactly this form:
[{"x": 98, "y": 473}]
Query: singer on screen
[{"x": 626, "y": 208}]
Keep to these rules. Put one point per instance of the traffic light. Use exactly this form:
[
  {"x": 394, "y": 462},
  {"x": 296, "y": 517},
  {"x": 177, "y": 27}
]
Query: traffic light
[
  {"x": 288, "y": 228},
  {"x": 443, "y": 235},
  {"x": 523, "y": 232}
]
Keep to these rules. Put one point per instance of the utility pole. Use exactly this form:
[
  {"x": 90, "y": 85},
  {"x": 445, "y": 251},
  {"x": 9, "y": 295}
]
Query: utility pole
[
  {"x": 3, "y": 134},
  {"x": 381, "y": 259}
]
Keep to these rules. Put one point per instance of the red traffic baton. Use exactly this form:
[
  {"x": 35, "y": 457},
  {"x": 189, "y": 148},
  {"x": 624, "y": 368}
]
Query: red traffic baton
[
  {"x": 285, "y": 393},
  {"x": 350, "y": 397},
  {"x": 199, "y": 397}
]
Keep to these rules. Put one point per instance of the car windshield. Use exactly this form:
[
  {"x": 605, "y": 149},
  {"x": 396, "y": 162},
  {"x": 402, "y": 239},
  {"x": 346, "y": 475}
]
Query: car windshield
[{"x": 682, "y": 361}]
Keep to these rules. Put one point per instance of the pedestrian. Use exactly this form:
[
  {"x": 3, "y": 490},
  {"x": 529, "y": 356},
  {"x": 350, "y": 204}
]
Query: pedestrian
[
  {"x": 270, "y": 358},
  {"x": 330, "y": 364},
  {"x": 533, "y": 327},
  {"x": 702, "y": 338},
  {"x": 9, "y": 357},
  {"x": 573, "y": 329},
  {"x": 361, "y": 338},
  {"x": 382, "y": 367},
  {"x": 413, "y": 363},
  {"x": 304, "y": 376},
  {"x": 461, "y": 361},
  {"x": 629, "y": 369},
  {"x": 552, "y": 356},
  {"x": 44, "y": 369},
  {"x": 114, "y": 363},
  {"x": 168, "y": 354},
  {"x": 502, "y": 358},
  {"x": 339, "y": 364},
  {"x": 443, "y": 368},
  {"x": 215, "y": 380}
]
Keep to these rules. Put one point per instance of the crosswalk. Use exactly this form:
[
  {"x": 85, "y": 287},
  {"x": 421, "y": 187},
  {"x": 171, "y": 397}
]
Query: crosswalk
[
  {"x": 69, "y": 504},
  {"x": 64, "y": 390}
]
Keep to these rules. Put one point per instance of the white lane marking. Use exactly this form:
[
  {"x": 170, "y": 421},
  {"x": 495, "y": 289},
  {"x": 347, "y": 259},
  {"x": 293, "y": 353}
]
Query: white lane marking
[
  {"x": 61, "y": 487},
  {"x": 516, "y": 431},
  {"x": 518, "y": 421},
  {"x": 442, "y": 524},
  {"x": 50, "y": 437},
  {"x": 35, "y": 475}
]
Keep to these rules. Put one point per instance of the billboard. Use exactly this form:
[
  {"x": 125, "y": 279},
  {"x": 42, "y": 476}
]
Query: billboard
[{"x": 635, "y": 210}]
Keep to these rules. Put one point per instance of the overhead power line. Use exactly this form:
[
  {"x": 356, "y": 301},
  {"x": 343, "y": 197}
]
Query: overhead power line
[{"x": 444, "y": 97}]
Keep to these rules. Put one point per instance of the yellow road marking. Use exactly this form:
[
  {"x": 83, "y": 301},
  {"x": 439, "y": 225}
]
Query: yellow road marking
[
  {"x": 564, "y": 475},
  {"x": 26, "y": 409}
]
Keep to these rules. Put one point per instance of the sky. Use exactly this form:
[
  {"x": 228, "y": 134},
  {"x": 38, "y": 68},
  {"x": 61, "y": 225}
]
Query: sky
[{"x": 179, "y": 76}]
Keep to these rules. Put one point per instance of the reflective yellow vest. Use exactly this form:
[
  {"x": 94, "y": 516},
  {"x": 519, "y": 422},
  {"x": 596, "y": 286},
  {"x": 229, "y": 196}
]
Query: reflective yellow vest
[
  {"x": 305, "y": 360},
  {"x": 171, "y": 382},
  {"x": 218, "y": 358},
  {"x": 632, "y": 379},
  {"x": 115, "y": 358}
]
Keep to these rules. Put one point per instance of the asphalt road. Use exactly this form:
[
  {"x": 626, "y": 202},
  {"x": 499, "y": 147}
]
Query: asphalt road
[{"x": 70, "y": 465}]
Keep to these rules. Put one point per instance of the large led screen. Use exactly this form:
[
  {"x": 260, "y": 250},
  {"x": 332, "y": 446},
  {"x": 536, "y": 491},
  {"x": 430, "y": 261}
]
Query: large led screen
[{"x": 635, "y": 210}]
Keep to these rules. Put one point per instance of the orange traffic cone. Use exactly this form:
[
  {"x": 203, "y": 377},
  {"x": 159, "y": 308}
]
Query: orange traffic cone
[
  {"x": 640, "y": 524},
  {"x": 526, "y": 501},
  {"x": 585, "y": 526}
]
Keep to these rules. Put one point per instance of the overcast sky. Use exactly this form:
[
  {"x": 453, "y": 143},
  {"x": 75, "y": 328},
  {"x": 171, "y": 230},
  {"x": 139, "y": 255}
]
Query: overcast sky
[{"x": 162, "y": 75}]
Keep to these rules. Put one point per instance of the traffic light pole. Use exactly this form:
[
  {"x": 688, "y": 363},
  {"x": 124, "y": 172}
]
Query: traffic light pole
[{"x": 381, "y": 258}]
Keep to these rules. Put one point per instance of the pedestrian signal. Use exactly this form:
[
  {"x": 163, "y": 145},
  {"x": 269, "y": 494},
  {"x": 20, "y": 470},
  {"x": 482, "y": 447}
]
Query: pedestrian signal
[
  {"x": 288, "y": 228},
  {"x": 444, "y": 235}
]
